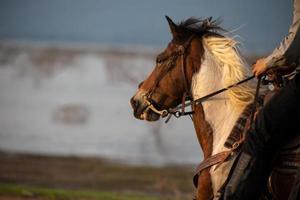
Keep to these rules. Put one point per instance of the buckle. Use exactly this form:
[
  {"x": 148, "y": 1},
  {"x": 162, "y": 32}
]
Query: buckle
[{"x": 180, "y": 49}]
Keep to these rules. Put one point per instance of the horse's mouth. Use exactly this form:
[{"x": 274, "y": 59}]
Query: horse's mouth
[
  {"x": 149, "y": 115},
  {"x": 146, "y": 114},
  {"x": 142, "y": 108}
]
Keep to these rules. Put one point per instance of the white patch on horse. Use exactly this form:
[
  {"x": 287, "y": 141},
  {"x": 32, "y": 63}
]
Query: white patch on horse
[{"x": 222, "y": 110}]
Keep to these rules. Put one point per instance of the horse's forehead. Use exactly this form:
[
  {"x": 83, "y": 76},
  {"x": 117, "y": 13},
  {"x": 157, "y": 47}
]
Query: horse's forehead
[{"x": 171, "y": 46}]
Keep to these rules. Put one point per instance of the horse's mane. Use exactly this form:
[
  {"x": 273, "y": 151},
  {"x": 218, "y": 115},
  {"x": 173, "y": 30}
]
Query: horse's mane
[
  {"x": 201, "y": 26},
  {"x": 233, "y": 68},
  {"x": 225, "y": 51}
]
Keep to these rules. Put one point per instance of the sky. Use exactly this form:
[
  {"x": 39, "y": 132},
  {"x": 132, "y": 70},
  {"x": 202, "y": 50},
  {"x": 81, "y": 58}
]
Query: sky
[{"x": 260, "y": 24}]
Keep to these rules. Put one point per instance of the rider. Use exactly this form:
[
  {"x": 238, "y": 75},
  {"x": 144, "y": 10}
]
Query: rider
[{"x": 275, "y": 124}]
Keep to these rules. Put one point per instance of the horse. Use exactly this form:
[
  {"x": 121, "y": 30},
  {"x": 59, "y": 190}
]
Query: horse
[{"x": 198, "y": 61}]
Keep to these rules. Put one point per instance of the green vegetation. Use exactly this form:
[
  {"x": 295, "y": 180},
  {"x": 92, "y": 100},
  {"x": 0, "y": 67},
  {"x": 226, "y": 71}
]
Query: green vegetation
[
  {"x": 75, "y": 178},
  {"x": 64, "y": 194}
]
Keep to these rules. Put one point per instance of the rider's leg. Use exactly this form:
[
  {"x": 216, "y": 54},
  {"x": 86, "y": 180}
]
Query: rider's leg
[{"x": 277, "y": 122}]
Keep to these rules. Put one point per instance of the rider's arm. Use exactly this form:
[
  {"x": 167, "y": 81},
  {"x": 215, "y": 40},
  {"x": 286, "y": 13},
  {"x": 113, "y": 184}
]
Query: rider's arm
[{"x": 288, "y": 52}]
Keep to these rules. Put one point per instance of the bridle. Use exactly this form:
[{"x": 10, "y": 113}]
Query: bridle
[
  {"x": 180, "y": 110},
  {"x": 171, "y": 61}
]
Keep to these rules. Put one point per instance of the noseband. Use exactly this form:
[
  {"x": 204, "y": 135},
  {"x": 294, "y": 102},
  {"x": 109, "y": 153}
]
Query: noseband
[{"x": 179, "y": 52}]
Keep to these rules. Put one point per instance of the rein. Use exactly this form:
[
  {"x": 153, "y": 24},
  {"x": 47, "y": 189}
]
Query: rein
[{"x": 177, "y": 113}]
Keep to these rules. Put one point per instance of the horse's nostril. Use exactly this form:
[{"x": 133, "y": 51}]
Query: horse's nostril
[{"x": 134, "y": 103}]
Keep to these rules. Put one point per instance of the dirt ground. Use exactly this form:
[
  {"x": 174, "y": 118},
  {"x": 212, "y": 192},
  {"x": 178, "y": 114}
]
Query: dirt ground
[{"x": 94, "y": 173}]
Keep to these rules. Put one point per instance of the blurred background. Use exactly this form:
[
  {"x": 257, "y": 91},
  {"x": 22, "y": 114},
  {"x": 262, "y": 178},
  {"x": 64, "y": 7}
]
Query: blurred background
[{"x": 67, "y": 71}]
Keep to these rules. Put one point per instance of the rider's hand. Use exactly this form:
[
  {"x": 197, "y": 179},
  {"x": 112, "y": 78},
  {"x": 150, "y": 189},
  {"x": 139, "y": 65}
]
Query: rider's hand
[{"x": 259, "y": 67}]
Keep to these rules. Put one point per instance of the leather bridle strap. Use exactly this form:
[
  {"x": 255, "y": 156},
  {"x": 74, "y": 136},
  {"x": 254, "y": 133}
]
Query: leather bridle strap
[
  {"x": 209, "y": 162},
  {"x": 175, "y": 111},
  {"x": 186, "y": 94},
  {"x": 216, "y": 159},
  {"x": 182, "y": 52},
  {"x": 255, "y": 100}
]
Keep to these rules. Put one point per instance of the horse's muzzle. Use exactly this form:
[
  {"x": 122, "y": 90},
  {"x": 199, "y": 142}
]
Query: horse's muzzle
[{"x": 141, "y": 110}]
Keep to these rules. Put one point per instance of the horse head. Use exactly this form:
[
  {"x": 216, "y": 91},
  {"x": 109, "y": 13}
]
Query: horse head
[{"x": 170, "y": 82}]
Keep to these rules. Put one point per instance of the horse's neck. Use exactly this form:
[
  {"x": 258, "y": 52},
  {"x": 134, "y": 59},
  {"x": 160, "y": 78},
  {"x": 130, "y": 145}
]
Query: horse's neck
[
  {"x": 219, "y": 111},
  {"x": 221, "y": 116}
]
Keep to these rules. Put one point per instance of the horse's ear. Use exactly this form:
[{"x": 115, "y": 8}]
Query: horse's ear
[{"x": 173, "y": 27}]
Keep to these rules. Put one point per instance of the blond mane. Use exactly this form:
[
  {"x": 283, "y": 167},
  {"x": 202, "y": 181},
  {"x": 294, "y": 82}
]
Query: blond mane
[{"x": 233, "y": 68}]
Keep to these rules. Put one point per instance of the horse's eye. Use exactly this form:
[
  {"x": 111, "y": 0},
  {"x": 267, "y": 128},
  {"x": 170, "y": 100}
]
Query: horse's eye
[{"x": 159, "y": 60}]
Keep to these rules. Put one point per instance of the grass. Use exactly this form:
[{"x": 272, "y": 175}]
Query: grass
[
  {"x": 77, "y": 178},
  {"x": 64, "y": 194}
]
